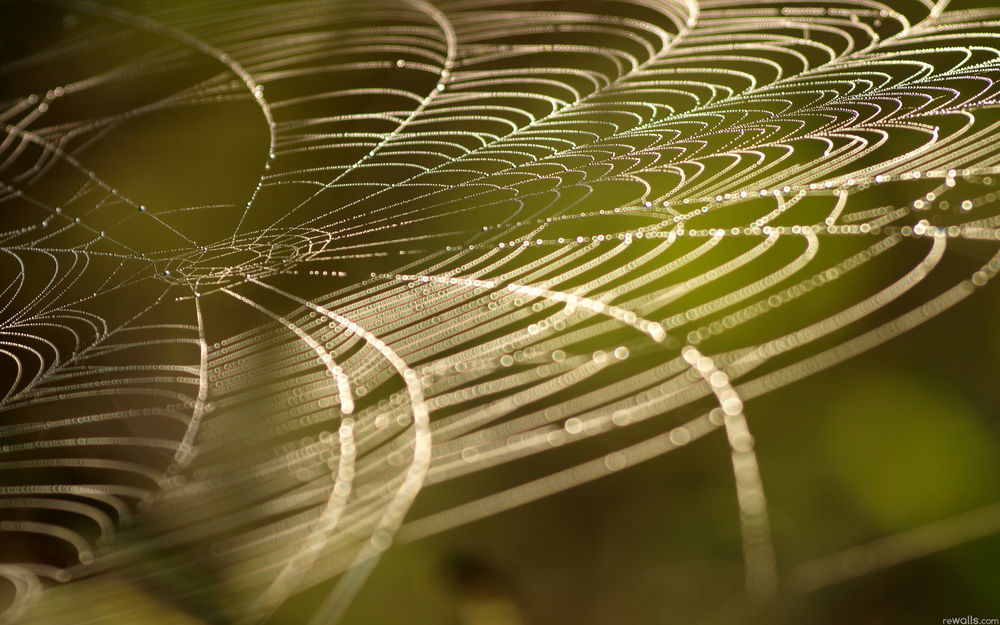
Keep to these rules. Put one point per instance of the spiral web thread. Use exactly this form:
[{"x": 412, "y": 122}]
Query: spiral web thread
[{"x": 464, "y": 233}]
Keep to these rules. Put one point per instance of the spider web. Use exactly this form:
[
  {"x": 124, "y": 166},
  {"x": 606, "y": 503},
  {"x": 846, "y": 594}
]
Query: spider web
[{"x": 270, "y": 270}]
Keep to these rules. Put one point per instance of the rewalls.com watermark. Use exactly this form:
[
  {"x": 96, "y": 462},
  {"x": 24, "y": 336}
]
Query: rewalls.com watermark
[{"x": 970, "y": 620}]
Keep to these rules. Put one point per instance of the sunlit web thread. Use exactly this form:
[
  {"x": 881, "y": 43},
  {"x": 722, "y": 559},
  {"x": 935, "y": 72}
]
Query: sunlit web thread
[{"x": 501, "y": 212}]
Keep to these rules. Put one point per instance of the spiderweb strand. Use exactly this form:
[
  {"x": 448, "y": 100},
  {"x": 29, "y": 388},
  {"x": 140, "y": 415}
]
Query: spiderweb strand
[{"x": 437, "y": 238}]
